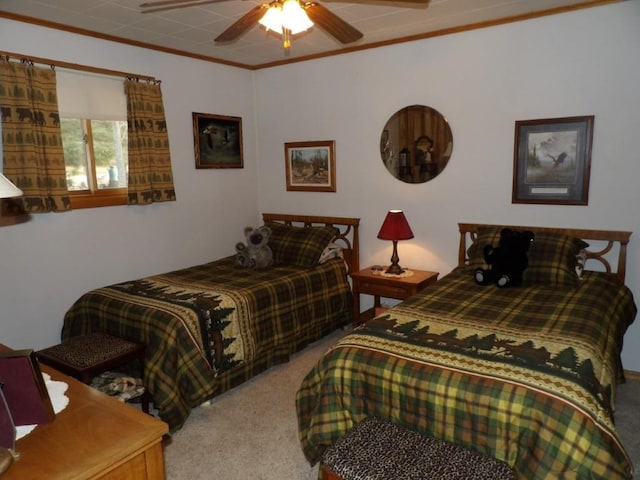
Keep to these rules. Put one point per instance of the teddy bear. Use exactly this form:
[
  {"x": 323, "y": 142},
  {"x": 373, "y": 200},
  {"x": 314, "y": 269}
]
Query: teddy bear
[
  {"x": 508, "y": 261},
  {"x": 256, "y": 253}
]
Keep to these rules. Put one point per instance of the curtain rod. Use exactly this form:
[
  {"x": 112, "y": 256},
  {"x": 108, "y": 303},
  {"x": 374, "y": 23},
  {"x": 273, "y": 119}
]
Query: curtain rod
[{"x": 75, "y": 66}]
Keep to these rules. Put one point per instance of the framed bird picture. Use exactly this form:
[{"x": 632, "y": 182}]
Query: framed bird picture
[
  {"x": 310, "y": 166},
  {"x": 552, "y": 161},
  {"x": 217, "y": 141}
]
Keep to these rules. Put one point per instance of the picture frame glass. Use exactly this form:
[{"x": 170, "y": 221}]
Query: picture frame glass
[
  {"x": 552, "y": 161},
  {"x": 310, "y": 166},
  {"x": 217, "y": 141}
]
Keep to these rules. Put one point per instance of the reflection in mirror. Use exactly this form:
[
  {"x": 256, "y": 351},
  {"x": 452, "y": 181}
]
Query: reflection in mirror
[{"x": 416, "y": 144}]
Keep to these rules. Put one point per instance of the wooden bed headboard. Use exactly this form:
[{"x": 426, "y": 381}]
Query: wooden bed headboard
[
  {"x": 346, "y": 232},
  {"x": 604, "y": 256}
]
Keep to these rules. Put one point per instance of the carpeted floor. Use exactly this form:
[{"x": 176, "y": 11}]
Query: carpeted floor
[
  {"x": 250, "y": 432},
  {"x": 628, "y": 420}
]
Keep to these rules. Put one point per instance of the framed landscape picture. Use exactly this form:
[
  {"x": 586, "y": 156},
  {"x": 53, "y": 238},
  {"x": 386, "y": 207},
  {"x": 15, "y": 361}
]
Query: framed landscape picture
[
  {"x": 217, "y": 141},
  {"x": 310, "y": 166},
  {"x": 552, "y": 161}
]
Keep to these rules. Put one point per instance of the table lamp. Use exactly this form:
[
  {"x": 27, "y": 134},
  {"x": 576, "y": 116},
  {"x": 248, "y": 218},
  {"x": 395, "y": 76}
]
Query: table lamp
[{"x": 395, "y": 227}]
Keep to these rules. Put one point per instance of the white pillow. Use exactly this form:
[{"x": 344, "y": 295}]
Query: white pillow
[{"x": 333, "y": 250}]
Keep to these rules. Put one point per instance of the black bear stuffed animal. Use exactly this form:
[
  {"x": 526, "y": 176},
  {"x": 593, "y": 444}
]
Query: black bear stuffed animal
[{"x": 508, "y": 261}]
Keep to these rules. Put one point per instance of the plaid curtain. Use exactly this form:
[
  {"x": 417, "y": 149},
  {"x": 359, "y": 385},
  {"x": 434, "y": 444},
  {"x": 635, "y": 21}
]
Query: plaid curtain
[
  {"x": 150, "y": 176},
  {"x": 32, "y": 152}
]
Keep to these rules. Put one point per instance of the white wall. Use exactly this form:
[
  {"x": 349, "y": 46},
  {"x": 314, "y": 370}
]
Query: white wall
[
  {"x": 580, "y": 63},
  {"x": 48, "y": 262}
]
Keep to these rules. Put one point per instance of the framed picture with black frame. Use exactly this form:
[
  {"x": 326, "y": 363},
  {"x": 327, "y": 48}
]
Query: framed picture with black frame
[
  {"x": 552, "y": 161},
  {"x": 217, "y": 141}
]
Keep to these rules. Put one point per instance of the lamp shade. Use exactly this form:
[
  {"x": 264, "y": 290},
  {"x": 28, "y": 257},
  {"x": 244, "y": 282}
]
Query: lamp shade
[
  {"x": 8, "y": 189},
  {"x": 287, "y": 15},
  {"x": 294, "y": 17},
  {"x": 395, "y": 227},
  {"x": 272, "y": 19}
]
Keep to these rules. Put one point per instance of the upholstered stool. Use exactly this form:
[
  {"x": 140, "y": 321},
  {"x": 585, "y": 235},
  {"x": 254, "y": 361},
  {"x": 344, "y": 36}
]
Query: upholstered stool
[
  {"x": 379, "y": 450},
  {"x": 87, "y": 356}
]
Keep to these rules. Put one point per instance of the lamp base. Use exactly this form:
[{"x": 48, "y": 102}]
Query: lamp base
[
  {"x": 6, "y": 459},
  {"x": 394, "y": 269}
]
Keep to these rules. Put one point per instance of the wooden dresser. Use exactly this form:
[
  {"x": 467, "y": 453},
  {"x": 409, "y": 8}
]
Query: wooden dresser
[{"x": 94, "y": 437}]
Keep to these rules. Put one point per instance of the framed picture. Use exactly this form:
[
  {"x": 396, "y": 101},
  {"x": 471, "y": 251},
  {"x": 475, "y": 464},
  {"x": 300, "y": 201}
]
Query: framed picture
[
  {"x": 7, "y": 426},
  {"x": 217, "y": 141},
  {"x": 552, "y": 161},
  {"x": 311, "y": 166},
  {"x": 24, "y": 389}
]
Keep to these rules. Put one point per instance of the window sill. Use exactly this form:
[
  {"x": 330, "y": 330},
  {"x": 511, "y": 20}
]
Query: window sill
[{"x": 101, "y": 198}]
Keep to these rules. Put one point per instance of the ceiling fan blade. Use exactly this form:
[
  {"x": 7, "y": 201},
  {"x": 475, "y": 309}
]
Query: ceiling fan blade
[
  {"x": 331, "y": 23},
  {"x": 164, "y": 5},
  {"x": 163, "y": 2},
  {"x": 244, "y": 23}
]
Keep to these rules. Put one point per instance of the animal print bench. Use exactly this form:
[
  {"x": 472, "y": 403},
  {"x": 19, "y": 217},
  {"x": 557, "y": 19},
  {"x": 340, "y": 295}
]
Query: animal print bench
[
  {"x": 379, "y": 450},
  {"x": 86, "y": 356}
]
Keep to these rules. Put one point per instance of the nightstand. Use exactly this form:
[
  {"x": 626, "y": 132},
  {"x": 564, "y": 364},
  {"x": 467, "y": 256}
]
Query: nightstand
[{"x": 400, "y": 288}]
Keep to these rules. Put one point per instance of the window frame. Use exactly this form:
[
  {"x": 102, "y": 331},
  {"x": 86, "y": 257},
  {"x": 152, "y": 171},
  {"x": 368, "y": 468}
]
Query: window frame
[
  {"x": 84, "y": 199},
  {"x": 93, "y": 197}
]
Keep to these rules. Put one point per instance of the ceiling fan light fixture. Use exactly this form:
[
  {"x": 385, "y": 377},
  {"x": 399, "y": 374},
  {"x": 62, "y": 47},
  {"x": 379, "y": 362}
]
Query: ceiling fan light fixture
[
  {"x": 287, "y": 15},
  {"x": 294, "y": 18},
  {"x": 272, "y": 19}
]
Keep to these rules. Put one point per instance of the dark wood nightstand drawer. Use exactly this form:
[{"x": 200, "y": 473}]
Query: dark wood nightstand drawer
[{"x": 384, "y": 290}]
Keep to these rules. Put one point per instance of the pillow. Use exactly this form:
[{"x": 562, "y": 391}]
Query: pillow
[
  {"x": 475, "y": 254},
  {"x": 581, "y": 259},
  {"x": 298, "y": 245},
  {"x": 552, "y": 257},
  {"x": 333, "y": 250}
]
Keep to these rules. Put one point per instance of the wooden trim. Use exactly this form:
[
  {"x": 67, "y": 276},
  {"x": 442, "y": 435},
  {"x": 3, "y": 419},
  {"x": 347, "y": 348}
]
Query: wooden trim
[
  {"x": 327, "y": 474},
  {"x": 116, "y": 39},
  {"x": 442, "y": 32},
  {"x": 611, "y": 237},
  {"x": 632, "y": 375},
  {"x": 100, "y": 198},
  {"x": 438, "y": 33},
  {"x": 347, "y": 232}
]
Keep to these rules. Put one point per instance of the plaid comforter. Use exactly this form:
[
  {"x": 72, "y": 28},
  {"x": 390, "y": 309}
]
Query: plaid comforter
[
  {"x": 526, "y": 375},
  {"x": 210, "y": 327}
]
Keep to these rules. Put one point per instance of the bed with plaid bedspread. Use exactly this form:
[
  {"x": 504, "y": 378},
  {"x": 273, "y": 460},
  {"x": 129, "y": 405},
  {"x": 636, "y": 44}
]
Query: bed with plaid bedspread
[
  {"x": 210, "y": 327},
  {"x": 526, "y": 375}
]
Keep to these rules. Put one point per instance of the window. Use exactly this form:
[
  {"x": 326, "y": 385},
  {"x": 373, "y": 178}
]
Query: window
[
  {"x": 95, "y": 153},
  {"x": 94, "y": 137}
]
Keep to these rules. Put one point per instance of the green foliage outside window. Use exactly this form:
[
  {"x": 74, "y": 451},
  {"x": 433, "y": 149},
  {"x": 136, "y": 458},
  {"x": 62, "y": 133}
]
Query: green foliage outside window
[{"x": 99, "y": 145}]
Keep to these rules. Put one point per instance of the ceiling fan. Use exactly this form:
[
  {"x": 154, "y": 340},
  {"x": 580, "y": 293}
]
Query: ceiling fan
[{"x": 271, "y": 15}]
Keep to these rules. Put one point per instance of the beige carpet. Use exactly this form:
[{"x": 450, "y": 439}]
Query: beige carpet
[{"x": 250, "y": 432}]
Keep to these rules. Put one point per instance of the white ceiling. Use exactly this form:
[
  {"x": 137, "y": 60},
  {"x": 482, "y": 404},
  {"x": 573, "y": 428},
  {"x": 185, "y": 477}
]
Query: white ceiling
[{"x": 192, "y": 30}]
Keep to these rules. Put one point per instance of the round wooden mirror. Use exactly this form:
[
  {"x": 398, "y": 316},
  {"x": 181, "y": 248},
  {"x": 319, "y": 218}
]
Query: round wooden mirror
[{"x": 416, "y": 144}]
